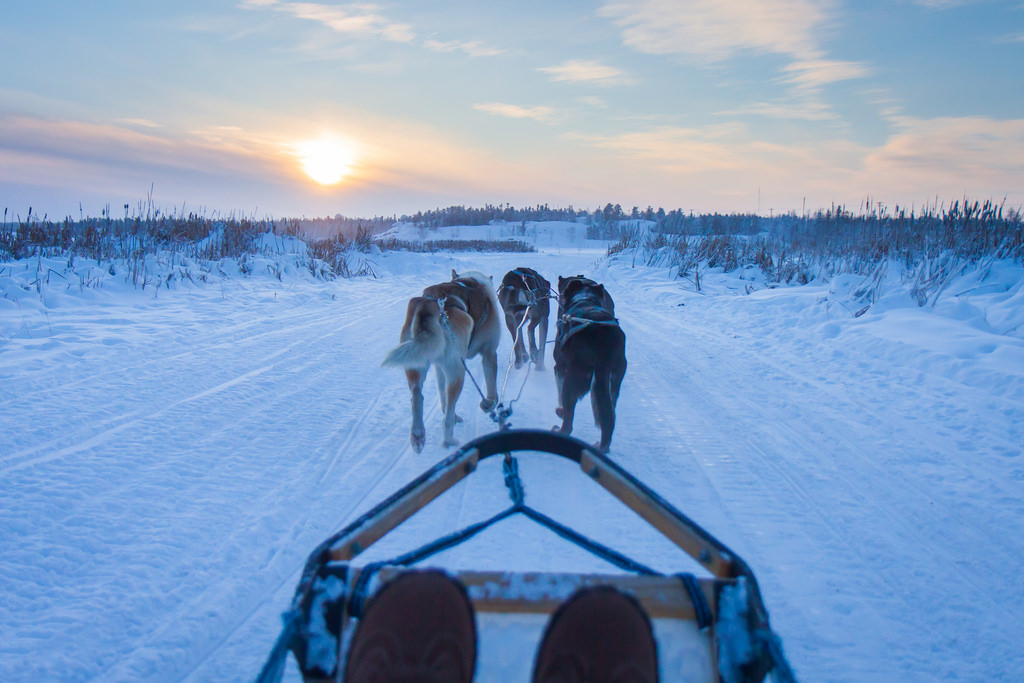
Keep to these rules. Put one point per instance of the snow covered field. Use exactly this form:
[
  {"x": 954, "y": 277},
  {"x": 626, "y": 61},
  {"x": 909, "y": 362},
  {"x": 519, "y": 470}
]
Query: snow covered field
[{"x": 168, "y": 458}]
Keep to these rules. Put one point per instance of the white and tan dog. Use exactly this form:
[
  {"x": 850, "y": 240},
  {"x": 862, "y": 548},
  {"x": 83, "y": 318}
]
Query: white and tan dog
[{"x": 451, "y": 321}]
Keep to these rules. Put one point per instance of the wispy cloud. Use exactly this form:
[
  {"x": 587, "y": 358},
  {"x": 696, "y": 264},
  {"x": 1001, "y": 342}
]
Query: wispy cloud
[
  {"x": 231, "y": 165},
  {"x": 800, "y": 111},
  {"x": 514, "y": 111},
  {"x": 587, "y": 71},
  {"x": 141, "y": 123},
  {"x": 116, "y": 162},
  {"x": 921, "y": 158},
  {"x": 976, "y": 155},
  {"x": 594, "y": 101},
  {"x": 354, "y": 20},
  {"x": 717, "y": 29},
  {"x": 473, "y": 48},
  {"x": 943, "y": 4},
  {"x": 713, "y": 31},
  {"x": 812, "y": 74},
  {"x": 681, "y": 150}
]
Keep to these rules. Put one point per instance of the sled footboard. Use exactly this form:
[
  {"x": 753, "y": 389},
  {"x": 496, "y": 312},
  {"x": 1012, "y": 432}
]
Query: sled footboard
[{"x": 512, "y": 610}]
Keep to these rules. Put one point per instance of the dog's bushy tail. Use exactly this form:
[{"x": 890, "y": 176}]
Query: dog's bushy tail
[
  {"x": 427, "y": 342},
  {"x": 604, "y": 392},
  {"x": 603, "y": 404}
]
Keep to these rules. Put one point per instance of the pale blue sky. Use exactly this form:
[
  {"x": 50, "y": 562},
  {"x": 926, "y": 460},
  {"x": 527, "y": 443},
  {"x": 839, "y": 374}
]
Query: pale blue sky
[{"x": 727, "y": 105}]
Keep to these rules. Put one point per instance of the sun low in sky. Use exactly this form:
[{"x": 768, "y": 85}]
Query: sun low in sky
[
  {"x": 327, "y": 159},
  {"x": 747, "y": 106}
]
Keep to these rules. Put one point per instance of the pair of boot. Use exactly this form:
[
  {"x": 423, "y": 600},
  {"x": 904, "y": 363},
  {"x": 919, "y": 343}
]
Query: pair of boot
[{"x": 420, "y": 628}]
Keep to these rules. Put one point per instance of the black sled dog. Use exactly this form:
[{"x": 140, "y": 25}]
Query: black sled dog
[
  {"x": 451, "y": 321},
  {"x": 590, "y": 354},
  {"x": 525, "y": 294}
]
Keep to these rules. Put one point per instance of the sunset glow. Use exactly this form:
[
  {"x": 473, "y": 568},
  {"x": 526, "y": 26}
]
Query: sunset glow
[
  {"x": 326, "y": 160},
  {"x": 303, "y": 107}
]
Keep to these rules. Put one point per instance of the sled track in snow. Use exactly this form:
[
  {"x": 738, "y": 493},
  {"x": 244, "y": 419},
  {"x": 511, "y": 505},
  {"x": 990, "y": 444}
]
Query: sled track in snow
[
  {"x": 287, "y": 579},
  {"x": 67, "y": 445},
  {"x": 351, "y": 432},
  {"x": 847, "y": 446},
  {"x": 791, "y": 471},
  {"x": 244, "y": 338},
  {"x": 289, "y": 575}
]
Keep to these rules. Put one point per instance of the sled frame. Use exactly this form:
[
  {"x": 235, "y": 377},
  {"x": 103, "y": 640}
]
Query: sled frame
[{"x": 661, "y": 596}]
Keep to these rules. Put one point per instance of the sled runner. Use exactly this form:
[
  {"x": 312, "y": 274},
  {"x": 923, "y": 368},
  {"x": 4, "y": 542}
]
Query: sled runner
[{"x": 720, "y": 620}]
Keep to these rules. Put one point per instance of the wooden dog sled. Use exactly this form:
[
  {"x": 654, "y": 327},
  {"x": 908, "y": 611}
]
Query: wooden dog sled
[{"x": 721, "y": 617}]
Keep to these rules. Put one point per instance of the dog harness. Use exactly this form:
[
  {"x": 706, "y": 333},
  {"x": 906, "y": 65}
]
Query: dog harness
[
  {"x": 462, "y": 303},
  {"x": 536, "y": 290},
  {"x": 582, "y": 312}
]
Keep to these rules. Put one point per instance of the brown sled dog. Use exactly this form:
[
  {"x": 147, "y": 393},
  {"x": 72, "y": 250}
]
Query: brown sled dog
[
  {"x": 524, "y": 293},
  {"x": 590, "y": 353},
  {"x": 449, "y": 322}
]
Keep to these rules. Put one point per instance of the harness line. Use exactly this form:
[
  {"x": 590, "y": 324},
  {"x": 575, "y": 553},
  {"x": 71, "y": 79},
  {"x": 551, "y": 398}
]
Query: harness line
[
  {"x": 499, "y": 413},
  {"x": 511, "y": 356},
  {"x": 448, "y": 329}
]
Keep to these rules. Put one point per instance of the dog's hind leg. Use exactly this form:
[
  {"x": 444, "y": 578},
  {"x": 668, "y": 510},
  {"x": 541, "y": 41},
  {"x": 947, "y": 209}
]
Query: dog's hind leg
[
  {"x": 531, "y": 334},
  {"x": 489, "y": 360},
  {"x": 518, "y": 335},
  {"x": 567, "y": 412},
  {"x": 418, "y": 433},
  {"x": 559, "y": 382},
  {"x": 456, "y": 376},
  {"x": 618, "y": 373},
  {"x": 537, "y": 348},
  {"x": 443, "y": 393},
  {"x": 574, "y": 386},
  {"x": 604, "y": 396}
]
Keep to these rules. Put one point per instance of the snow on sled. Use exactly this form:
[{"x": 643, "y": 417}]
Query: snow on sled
[{"x": 712, "y": 628}]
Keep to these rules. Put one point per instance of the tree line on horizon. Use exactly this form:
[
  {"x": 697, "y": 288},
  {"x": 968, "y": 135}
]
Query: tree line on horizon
[{"x": 965, "y": 226}]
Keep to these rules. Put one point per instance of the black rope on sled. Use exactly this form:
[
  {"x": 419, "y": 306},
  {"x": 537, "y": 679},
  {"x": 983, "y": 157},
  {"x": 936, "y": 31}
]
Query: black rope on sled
[
  {"x": 701, "y": 609},
  {"x": 511, "y": 471},
  {"x": 781, "y": 671},
  {"x": 593, "y": 547},
  {"x": 451, "y": 540},
  {"x": 273, "y": 669},
  {"x": 510, "y": 468},
  {"x": 357, "y": 600}
]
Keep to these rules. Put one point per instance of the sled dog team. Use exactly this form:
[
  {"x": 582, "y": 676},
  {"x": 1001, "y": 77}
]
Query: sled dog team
[{"x": 457, "y": 320}]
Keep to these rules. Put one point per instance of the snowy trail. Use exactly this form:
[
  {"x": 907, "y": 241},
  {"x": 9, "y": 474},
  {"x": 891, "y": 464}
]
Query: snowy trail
[
  {"x": 168, "y": 464},
  {"x": 823, "y": 517}
]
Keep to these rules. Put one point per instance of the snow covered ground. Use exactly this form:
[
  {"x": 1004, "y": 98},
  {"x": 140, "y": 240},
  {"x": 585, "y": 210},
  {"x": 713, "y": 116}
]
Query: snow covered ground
[{"x": 169, "y": 457}]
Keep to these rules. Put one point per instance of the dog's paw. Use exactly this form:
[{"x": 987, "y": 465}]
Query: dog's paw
[
  {"x": 418, "y": 439},
  {"x": 488, "y": 404},
  {"x": 458, "y": 418},
  {"x": 450, "y": 442}
]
